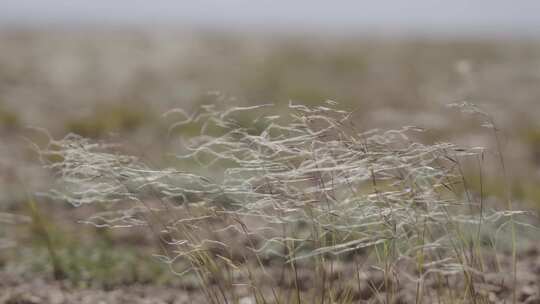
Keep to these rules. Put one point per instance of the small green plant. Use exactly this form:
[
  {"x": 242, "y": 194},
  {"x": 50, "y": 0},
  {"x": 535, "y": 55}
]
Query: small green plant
[
  {"x": 39, "y": 227},
  {"x": 302, "y": 208}
]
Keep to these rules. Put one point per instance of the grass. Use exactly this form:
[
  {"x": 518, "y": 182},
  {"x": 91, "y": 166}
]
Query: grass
[
  {"x": 531, "y": 137},
  {"x": 82, "y": 259},
  {"x": 303, "y": 208},
  {"x": 9, "y": 120},
  {"x": 107, "y": 119},
  {"x": 98, "y": 264}
]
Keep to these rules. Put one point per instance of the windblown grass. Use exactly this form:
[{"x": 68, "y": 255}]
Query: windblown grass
[{"x": 287, "y": 194}]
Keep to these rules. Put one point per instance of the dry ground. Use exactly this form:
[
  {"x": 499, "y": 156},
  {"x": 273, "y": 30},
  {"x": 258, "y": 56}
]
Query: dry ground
[{"x": 496, "y": 288}]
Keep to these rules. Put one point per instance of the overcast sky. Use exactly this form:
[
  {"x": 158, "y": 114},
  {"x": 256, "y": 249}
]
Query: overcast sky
[{"x": 520, "y": 17}]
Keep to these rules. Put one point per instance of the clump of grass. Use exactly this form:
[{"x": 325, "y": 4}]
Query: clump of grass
[
  {"x": 8, "y": 120},
  {"x": 91, "y": 263},
  {"x": 531, "y": 137},
  {"x": 289, "y": 202},
  {"x": 109, "y": 119}
]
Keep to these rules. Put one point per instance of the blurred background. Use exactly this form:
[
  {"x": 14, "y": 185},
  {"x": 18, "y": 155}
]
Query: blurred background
[{"x": 109, "y": 69}]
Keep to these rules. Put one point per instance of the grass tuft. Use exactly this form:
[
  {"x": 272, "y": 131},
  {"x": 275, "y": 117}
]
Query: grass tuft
[{"x": 292, "y": 201}]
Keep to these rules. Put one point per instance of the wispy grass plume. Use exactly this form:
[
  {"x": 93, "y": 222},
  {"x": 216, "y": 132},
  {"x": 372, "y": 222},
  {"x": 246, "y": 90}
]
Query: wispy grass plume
[{"x": 300, "y": 193}]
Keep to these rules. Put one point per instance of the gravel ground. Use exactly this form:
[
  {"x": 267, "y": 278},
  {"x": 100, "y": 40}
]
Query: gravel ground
[{"x": 496, "y": 288}]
